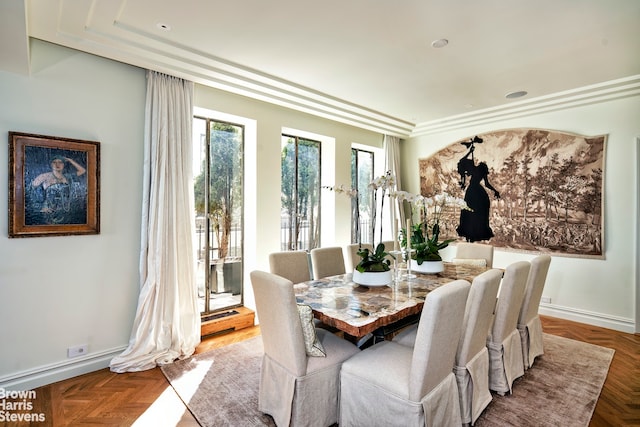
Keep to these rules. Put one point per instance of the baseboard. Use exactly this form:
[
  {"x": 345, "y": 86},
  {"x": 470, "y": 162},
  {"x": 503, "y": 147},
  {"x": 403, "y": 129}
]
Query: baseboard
[
  {"x": 589, "y": 317},
  {"x": 47, "y": 374}
]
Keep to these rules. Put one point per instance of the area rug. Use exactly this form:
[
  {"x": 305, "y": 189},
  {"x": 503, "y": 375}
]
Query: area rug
[{"x": 220, "y": 387}]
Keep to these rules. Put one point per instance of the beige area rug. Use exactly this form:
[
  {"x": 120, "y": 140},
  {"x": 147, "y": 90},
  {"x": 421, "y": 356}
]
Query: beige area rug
[{"x": 220, "y": 387}]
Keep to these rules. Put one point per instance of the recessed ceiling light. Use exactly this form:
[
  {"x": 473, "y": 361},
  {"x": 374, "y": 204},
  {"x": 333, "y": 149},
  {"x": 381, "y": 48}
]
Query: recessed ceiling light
[
  {"x": 163, "y": 26},
  {"x": 439, "y": 43},
  {"x": 517, "y": 94}
]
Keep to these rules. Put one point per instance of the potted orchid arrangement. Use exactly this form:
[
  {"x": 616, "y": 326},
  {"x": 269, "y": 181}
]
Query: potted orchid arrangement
[
  {"x": 376, "y": 260},
  {"x": 424, "y": 235}
]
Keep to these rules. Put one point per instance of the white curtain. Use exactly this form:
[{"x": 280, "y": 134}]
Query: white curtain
[
  {"x": 167, "y": 322},
  {"x": 391, "y": 146}
]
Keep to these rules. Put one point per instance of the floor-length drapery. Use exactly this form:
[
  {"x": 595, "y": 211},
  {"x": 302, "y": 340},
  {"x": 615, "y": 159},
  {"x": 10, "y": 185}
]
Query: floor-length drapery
[
  {"x": 167, "y": 321},
  {"x": 391, "y": 146}
]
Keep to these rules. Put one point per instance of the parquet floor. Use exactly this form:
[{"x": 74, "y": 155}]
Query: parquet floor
[{"x": 103, "y": 398}]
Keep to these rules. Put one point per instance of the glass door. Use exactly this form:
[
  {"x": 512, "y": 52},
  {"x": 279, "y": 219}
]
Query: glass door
[{"x": 218, "y": 190}]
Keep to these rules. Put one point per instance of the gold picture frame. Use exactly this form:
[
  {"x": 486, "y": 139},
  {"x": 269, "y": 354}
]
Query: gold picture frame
[{"x": 54, "y": 186}]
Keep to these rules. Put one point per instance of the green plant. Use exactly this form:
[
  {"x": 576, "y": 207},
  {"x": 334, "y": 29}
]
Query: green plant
[
  {"x": 427, "y": 247},
  {"x": 424, "y": 235},
  {"x": 373, "y": 261}
]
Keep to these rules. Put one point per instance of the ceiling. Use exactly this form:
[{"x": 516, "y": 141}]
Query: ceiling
[{"x": 369, "y": 63}]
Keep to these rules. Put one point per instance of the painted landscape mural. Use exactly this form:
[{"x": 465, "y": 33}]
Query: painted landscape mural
[{"x": 540, "y": 190}]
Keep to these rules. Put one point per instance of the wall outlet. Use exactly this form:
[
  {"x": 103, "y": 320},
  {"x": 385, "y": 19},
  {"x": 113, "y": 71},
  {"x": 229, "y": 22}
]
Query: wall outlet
[
  {"x": 545, "y": 300},
  {"x": 78, "y": 350}
]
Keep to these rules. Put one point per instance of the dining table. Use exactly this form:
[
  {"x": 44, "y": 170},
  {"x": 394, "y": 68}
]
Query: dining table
[{"x": 376, "y": 311}]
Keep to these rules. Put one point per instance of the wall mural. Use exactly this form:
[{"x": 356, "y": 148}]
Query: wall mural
[{"x": 531, "y": 190}]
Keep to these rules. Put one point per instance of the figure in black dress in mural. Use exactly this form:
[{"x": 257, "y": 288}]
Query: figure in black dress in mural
[{"x": 474, "y": 224}]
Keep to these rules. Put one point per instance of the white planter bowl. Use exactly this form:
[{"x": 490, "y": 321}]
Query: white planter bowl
[
  {"x": 382, "y": 278},
  {"x": 428, "y": 267}
]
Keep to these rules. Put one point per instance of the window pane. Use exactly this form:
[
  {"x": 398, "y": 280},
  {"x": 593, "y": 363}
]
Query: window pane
[
  {"x": 361, "y": 176},
  {"x": 300, "y": 193}
]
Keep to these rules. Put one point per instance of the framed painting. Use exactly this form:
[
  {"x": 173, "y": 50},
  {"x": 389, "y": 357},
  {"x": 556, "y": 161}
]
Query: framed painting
[{"x": 54, "y": 186}]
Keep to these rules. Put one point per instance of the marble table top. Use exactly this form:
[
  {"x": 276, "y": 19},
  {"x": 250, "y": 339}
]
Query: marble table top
[{"x": 359, "y": 310}]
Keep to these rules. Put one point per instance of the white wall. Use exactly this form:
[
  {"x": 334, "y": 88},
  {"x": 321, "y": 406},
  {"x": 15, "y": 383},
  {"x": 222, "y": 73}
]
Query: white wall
[
  {"x": 599, "y": 292},
  {"x": 57, "y": 292}
]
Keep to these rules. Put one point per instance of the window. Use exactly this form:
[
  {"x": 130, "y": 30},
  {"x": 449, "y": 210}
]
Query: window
[
  {"x": 300, "y": 193},
  {"x": 361, "y": 175},
  {"x": 218, "y": 190}
]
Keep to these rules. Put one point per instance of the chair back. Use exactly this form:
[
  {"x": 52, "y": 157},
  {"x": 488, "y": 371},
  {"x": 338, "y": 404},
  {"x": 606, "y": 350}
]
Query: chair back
[
  {"x": 533, "y": 290},
  {"x": 327, "y": 262},
  {"x": 280, "y": 325},
  {"x": 474, "y": 251},
  {"x": 510, "y": 300},
  {"x": 437, "y": 337},
  {"x": 292, "y": 265},
  {"x": 478, "y": 315}
]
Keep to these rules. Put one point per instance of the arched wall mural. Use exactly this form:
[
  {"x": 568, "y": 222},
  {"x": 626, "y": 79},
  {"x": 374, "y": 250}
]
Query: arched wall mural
[{"x": 532, "y": 190}]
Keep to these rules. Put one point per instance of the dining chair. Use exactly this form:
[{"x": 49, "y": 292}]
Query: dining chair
[
  {"x": 503, "y": 342},
  {"x": 392, "y": 384},
  {"x": 296, "y": 388},
  {"x": 327, "y": 262},
  {"x": 471, "y": 367},
  {"x": 472, "y": 357},
  {"x": 351, "y": 254},
  {"x": 292, "y": 265},
  {"x": 474, "y": 253},
  {"x": 529, "y": 324}
]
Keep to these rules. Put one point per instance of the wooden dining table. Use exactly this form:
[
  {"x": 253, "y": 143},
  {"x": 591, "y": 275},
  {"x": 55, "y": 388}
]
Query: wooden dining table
[{"x": 359, "y": 311}]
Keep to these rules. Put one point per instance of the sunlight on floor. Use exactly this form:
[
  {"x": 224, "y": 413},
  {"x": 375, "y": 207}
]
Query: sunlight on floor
[{"x": 168, "y": 409}]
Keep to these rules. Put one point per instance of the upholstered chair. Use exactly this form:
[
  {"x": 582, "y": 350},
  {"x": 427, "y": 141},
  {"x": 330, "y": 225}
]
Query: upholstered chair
[
  {"x": 296, "y": 389},
  {"x": 292, "y": 265},
  {"x": 392, "y": 384},
  {"x": 529, "y": 324},
  {"x": 472, "y": 357},
  {"x": 503, "y": 343},
  {"x": 327, "y": 262},
  {"x": 351, "y": 255},
  {"x": 474, "y": 253}
]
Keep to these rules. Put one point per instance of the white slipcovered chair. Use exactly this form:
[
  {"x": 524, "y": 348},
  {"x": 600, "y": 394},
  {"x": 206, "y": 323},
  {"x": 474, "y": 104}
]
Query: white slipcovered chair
[
  {"x": 292, "y": 265},
  {"x": 529, "y": 324},
  {"x": 327, "y": 262},
  {"x": 472, "y": 357},
  {"x": 351, "y": 254},
  {"x": 392, "y": 384},
  {"x": 295, "y": 389},
  {"x": 503, "y": 343},
  {"x": 474, "y": 253}
]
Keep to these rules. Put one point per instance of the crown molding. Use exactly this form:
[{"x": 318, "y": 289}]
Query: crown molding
[{"x": 587, "y": 95}]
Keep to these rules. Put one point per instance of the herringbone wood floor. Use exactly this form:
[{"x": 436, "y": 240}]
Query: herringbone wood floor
[{"x": 103, "y": 398}]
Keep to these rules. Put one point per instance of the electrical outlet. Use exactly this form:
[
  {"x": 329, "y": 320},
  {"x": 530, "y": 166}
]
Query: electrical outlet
[
  {"x": 78, "y": 350},
  {"x": 545, "y": 300}
]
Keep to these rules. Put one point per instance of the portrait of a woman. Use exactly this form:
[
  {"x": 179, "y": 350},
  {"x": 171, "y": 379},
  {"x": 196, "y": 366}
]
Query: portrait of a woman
[{"x": 58, "y": 195}]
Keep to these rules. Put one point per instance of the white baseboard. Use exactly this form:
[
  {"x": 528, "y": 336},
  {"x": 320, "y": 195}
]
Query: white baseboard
[
  {"x": 47, "y": 374},
  {"x": 589, "y": 317}
]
